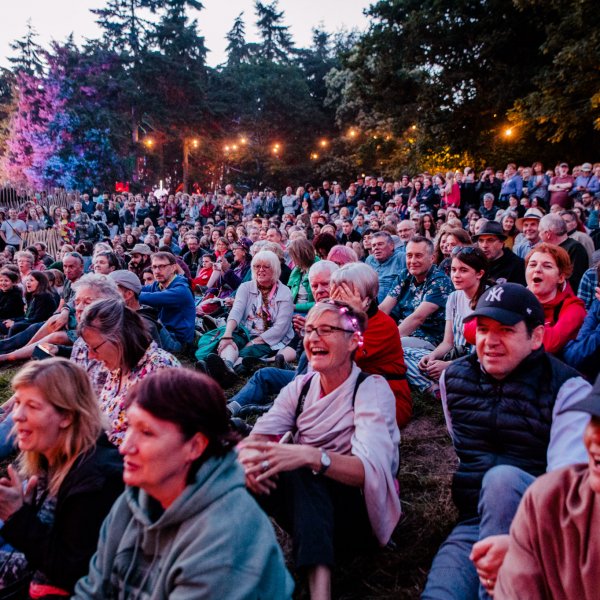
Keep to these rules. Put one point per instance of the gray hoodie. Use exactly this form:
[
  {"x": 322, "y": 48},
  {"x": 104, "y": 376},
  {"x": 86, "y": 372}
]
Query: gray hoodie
[{"x": 213, "y": 542}]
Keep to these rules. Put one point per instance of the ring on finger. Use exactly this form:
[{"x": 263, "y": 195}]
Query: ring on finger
[{"x": 264, "y": 465}]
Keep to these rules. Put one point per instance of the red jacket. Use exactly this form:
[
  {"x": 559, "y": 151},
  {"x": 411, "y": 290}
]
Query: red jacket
[{"x": 382, "y": 354}]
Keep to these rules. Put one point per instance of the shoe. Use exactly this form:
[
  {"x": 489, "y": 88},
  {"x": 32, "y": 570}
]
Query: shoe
[
  {"x": 240, "y": 426},
  {"x": 221, "y": 371},
  {"x": 200, "y": 365},
  {"x": 251, "y": 362},
  {"x": 281, "y": 363},
  {"x": 253, "y": 409}
]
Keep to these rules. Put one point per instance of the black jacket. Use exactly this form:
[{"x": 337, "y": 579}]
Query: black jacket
[
  {"x": 11, "y": 304},
  {"x": 505, "y": 422},
  {"x": 509, "y": 267},
  {"x": 63, "y": 550},
  {"x": 579, "y": 259}
]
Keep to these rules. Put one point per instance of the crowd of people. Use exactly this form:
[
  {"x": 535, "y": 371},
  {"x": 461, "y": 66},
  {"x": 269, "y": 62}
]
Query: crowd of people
[{"x": 327, "y": 308}]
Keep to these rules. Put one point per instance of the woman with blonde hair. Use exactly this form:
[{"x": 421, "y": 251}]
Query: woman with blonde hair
[{"x": 74, "y": 476}]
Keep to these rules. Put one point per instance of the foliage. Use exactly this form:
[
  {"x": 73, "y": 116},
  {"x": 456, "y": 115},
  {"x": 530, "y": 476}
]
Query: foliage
[{"x": 276, "y": 42}]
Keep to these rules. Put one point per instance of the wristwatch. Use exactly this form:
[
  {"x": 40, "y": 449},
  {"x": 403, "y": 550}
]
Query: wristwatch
[{"x": 325, "y": 463}]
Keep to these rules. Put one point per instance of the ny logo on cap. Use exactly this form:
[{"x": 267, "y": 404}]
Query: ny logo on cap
[{"x": 495, "y": 294}]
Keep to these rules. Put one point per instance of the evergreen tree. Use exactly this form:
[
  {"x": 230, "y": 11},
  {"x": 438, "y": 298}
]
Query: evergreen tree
[
  {"x": 237, "y": 49},
  {"x": 276, "y": 42},
  {"x": 29, "y": 53}
]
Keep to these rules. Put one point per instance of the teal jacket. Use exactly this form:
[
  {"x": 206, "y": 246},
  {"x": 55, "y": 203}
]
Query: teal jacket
[
  {"x": 297, "y": 278},
  {"x": 213, "y": 542}
]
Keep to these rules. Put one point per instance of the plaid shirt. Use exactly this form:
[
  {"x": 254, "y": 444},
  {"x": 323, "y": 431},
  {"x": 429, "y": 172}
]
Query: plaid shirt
[{"x": 587, "y": 287}]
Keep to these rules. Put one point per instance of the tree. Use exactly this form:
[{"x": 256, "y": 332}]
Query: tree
[
  {"x": 437, "y": 64},
  {"x": 237, "y": 49},
  {"x": 29, "y": 53},
  {"x": 276, "y": 42},
  {"x": 564, "y": 106}
]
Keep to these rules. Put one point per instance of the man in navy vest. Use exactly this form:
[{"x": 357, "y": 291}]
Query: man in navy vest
[{"x": 503, "y": 407}]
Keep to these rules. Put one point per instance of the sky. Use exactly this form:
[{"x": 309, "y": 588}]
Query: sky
[{"x": 55, "y": 19}]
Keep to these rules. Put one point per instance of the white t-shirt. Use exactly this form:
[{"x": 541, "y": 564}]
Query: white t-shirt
[{"x": 457, "y": 309}]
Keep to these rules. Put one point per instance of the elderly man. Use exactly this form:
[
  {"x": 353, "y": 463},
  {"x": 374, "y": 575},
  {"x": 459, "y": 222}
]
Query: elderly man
[
  {"x": 406, "y": 229},
  {"x": 504, "y": 407},
  {"x": 505, "y": 265},
  {"x": 418, "y": 297},
  {"x": 529, "y": 226},
  {"x": 269, "y": 380},
  {"x": 488, "y": 209},
  {"x": 553, "y": 230},
  {"x": 386, "y": 260}
]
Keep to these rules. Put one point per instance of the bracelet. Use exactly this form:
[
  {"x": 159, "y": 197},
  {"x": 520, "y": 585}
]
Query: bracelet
[{"x": 227, "y": 338}]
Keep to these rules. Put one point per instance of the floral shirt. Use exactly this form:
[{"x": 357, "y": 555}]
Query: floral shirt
[
  {"x": 117, "y": 386},
  {"x": 410, "y": 294}
]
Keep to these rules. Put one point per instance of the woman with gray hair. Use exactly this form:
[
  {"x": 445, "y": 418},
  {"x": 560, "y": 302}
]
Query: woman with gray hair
[
  {"x": 117, "y": 336},
  {"x": 261, "y": 318},
  {"x": 381, "y": 353}
]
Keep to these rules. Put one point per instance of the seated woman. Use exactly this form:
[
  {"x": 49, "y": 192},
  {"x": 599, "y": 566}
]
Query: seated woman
[
  {"x": 553, "y": 548},
  {"x": 41, "y": 303},
  {"x": 345, "y": 452},
  {"x": 231, "y": 275},
  {"x": 185, "y": 527},
  {"x": 11, "y": 299},
  {"x": 302, "y": 253},
  {"x": 381, "y": 352},
  {"x": 117, "y": 337},
  {"x": 469, "y": 274},
  {"x": 74, "y": 476},
  {"x": 261, "y": 318},
  {"x": 547, "y": 269}
]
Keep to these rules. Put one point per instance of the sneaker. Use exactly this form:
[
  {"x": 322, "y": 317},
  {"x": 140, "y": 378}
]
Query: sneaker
[
  {"x": 221, "y": 371},
  {"x": 240, "y": 426}
]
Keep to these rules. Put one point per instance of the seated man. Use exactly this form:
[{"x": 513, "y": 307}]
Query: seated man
[
  {"x": 418, "y": 297},
  {"x": 171, "y": 295},
  {"x": 554, "y": 548},
  {"x": 505, "y": 265},
  {"x": 386, "y": 259},
  {"x": 504, "y": 408}
]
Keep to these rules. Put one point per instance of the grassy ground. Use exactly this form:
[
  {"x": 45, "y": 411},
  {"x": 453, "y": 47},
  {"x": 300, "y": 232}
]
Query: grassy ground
[{"x": 427, "y": 463}]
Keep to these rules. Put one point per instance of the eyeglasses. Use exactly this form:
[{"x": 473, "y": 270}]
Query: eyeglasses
[
  {"x": 160, "y": 267},
  {"x": 462, "y": 250},
  {"x": 322, "y": 330},
  {"x": 262, "y": 267},
  {"x": 95, "y": 349}
]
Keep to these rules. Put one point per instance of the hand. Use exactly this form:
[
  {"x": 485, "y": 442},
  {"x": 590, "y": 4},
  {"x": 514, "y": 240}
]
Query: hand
[
  {"x": 271, "y": 458},
  {"x": 245, "y": 456},
  {"x": 9, "y": 323},
  {"x": 58, "y": 321},
  {"x": 347, "y": 293},
  {"x": 223, "y": 344},
  {"x": 225, "y": 265},
  {"x": 487, "y": 556},
  {"x": 228, "y": 302},
  {"x": 436, "y": 367},
  {"x": 597, "y": 293},
  {"x": 298, "y": 322},
  {"x": 424, "y": 362},
  {"x": 12, "y": 496}
]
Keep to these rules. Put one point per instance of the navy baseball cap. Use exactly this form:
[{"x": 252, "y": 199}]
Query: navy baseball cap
[{"x": 509, "y": 303}]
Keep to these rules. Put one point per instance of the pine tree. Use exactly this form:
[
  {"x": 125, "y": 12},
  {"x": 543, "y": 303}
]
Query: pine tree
[
  {"x": 29, "y": 53},
  {"x": 276, "y": 43},
  {"x": 237, "y": 49}
]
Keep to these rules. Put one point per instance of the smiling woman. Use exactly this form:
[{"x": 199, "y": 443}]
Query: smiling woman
[
  {"x": 74, "y": 476},
  {"x": 344, "y": 456}
]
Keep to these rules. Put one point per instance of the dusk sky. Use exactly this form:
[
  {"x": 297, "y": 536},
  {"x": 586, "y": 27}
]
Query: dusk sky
[{"x": 55, "y": 19}]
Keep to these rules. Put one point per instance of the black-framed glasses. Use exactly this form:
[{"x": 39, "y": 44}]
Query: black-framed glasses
[
  {"x": 462, "y": 250},
  {"x": 322, "y": 330}
]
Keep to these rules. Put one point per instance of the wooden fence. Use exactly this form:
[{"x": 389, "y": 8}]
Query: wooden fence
[
  {"x": 14, "y": 197},
  {"x": 51, "y": 237}
]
